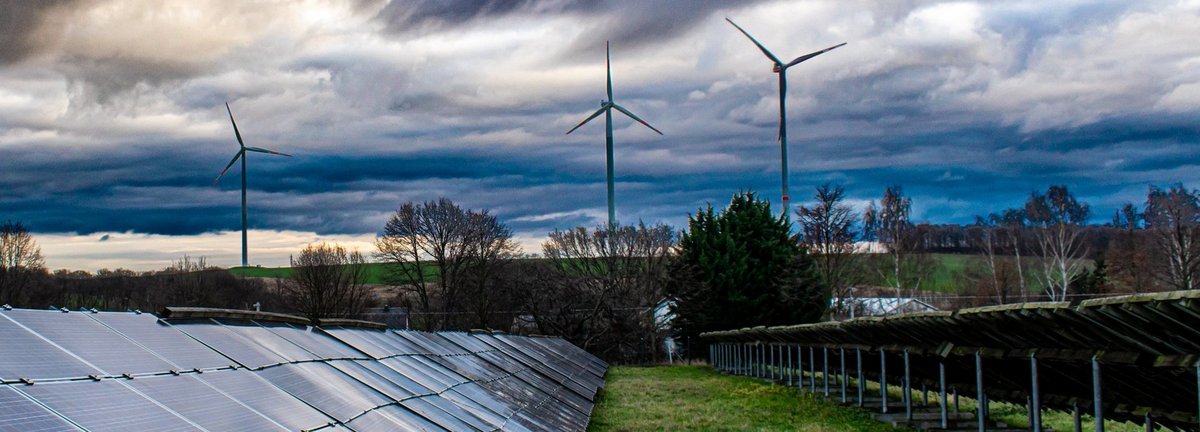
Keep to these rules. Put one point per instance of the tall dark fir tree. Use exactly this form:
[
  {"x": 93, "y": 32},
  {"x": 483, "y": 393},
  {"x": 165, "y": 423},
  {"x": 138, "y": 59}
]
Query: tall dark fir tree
[{"x": 742, "y": 267}]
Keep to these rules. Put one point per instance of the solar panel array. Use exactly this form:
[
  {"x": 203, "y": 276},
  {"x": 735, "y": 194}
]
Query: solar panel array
[
  {"x": 1133, "y": 358},
  {"x": 102, "y": 371}
]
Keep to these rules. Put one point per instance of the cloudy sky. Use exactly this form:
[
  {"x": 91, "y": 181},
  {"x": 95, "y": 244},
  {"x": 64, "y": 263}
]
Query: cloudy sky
[{"x": 113, "y": 125}]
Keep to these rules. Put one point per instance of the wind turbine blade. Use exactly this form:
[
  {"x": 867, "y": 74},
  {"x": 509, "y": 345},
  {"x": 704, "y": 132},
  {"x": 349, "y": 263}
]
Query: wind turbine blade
[
  {"x": 760, "y": 46},
  {"x": 608, "y": 64},
  {"x": 623, "y": 110},
  {"x": 239, "y": 154},
  {"x": 808, "y": 56},
  {"x": 263, "y": 150},
  {"x": 235, "y": 128},
  {"x": 594, "y": 115}
]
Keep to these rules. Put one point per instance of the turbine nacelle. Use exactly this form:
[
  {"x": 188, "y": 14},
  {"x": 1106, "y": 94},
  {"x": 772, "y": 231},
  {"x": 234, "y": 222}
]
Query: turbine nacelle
[{"x": 777, "y": 68}]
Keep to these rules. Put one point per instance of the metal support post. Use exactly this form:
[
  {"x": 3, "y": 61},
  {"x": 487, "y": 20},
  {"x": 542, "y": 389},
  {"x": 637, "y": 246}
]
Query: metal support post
[
  {"x": 791, "y": 367},
  {"x": 862, "y": 385},
  {"x": 883, "y": 398},
  {"x": 1074, "y": 414},
  {"x": 942, "y": 390},
  {"x": 812, "y": 371},
  {"x": 842, "y": 358},
  {"x": 1097, "y": 402},
  {"x": 907, "y": 389},
  {"x": 825, "y": 368},
  {"x": 1035, "y": 406},
  {"x": 981, "y": 397},
  {"x": 800, "y": 367}
]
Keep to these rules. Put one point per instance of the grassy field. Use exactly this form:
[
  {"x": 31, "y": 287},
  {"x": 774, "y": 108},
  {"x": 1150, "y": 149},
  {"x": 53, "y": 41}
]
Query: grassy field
[
  {"x": 697, "y": 398},
  {"x": 376, "y": 272}
]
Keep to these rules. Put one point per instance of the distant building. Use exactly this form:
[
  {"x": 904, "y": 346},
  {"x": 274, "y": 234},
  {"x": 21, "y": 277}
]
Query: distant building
[{"x": 882, "y": 306}]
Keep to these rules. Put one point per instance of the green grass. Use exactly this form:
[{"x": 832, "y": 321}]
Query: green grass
[
  {"x": 698, "y": 398},
  {"x": 376, "y": 272},
  {"x": 943, "y": 277},
  {"x": 1011, "y": 414}
]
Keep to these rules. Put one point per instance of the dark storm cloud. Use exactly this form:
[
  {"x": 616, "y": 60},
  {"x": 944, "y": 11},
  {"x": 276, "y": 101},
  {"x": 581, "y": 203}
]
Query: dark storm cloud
[
  {"x": 20, "y": 21},
  {"x": 626, "y": 24},
  {"x": 970, "y": 107}
]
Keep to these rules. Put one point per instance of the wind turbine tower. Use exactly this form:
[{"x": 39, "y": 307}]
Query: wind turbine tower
[
  {"x": 781, "y": 68},
  {"x": 241, "y": 154},
  {"x": 606, "y": 108}
]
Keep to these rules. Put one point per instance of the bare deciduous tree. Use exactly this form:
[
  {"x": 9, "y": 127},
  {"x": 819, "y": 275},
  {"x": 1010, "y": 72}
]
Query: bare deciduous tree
[
  {"x": 1058, "y": 220},
  {"x": 1014, "y": 221},
  {"x": 602, "y": 285},
  {"x": 890, "y": 223},
  {"x": 327, "y": 281},
  {"x": 21, "y": 261},
  {"x": 1173, "y": 216},
  {"x": 461, "y": 248},
  {"x": 827, "y": 231}
]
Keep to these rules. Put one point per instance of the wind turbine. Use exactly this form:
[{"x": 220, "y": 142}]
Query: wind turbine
[
  {"x": 606, "y": 107},
  {"x": 781, "y": 69},
  {"x": 241, "y": 154}
]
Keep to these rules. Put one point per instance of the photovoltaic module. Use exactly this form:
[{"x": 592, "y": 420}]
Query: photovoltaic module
[{"x": 217, "y": 370}]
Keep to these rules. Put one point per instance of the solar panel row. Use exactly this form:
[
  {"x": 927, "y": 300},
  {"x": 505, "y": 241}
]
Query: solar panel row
[{"x": 127, "y": 371}]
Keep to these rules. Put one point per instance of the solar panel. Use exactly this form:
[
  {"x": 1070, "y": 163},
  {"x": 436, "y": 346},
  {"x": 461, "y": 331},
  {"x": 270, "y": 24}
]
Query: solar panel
[
  {"x": 392, "y": 418},
  {"x": 375, "y": 381},
  {"x": 33, "y": 358},
  {"x": 162, "y": 339},
  {"x": 107, "y": 405},
  {"x": 19, "y": 413},
  {"x": 284, "y": 376},
  {"x": 244, "y": 351},
  {"x": 90, "y": 340},
  {"x": 447, "y": 420},
  {"x": 329, "y": 390},
  {"x": 367, "y": 341},
  {"x": 266, "y": 338},
  {"x": 260, "y": 395},
  {"x": 316, "y": 342},
  {"x": 395, "y": 377},
  {"x": 202, "y": 404}
]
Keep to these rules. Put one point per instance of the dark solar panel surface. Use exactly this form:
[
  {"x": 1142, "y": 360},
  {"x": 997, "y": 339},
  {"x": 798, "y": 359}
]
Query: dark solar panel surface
[
  {"x": 166, "y": 341},
  {"x": 28, "y": 356},
  {"x": 19, "y": 413},
  {"x": 104, "y": 348},
  {"x": 224, "y": 374},
  {"x": 107, "y": 405}
]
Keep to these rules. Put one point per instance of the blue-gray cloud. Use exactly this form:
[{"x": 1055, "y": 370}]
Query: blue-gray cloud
[{"x": 969, "y": 106}]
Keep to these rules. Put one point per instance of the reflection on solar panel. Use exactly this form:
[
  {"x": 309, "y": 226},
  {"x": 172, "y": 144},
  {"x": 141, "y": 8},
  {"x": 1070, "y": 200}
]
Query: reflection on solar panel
[{"x": 231, "y": 370}]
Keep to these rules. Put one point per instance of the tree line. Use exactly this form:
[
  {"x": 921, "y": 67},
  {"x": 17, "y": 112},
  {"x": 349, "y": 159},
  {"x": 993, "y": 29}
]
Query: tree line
[{"x": 733, "y": 266}]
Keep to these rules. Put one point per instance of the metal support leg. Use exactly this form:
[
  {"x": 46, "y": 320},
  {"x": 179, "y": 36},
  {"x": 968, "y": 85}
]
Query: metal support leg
[
  {"x": 954, "y": 392},
  {"x": 1035, "y": 406},
  {"x": 1149, "y": 423},
  {"x": 1097, "y": 402},
  {"x": 842, "y": 357},
  {"x": 942, "y": 390},
  {"x": 883, "y": 398},
  {"x": 812, "y": 371},
  {"x": 791, "y": 367},
  {"x": 825, "y": 368},
  {"x": 924, "y": 395},
  {"x": 771, "y": 362},
  {"x": 1079, "y": 420},
  {"x": 907, "y": 389},
  {"x": 862, "y": 385},
  {"x": 981, "y": 398},
  {"x": 800, "y": 367}
]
